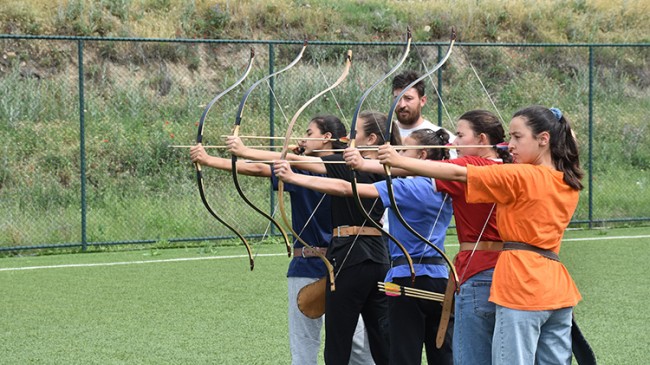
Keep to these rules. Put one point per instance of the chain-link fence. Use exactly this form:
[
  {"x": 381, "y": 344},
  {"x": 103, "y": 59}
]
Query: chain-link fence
[{"x": 87, "y": 125}]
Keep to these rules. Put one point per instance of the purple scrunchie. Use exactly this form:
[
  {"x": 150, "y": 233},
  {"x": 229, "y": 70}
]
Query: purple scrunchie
[{"x": 557, "y": 112}]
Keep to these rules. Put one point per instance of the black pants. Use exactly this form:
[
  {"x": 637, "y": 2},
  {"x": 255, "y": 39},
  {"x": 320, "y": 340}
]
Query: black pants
[
  {"x": 356, "y": 293},
  {"x": 414, "y": 322}
]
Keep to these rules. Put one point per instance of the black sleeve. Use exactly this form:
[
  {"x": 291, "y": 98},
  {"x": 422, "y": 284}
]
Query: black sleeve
[{"x": 344, "y": 209}]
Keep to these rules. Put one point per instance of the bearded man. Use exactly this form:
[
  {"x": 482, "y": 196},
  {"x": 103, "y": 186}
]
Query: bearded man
[{"x": 409, "y": 109}]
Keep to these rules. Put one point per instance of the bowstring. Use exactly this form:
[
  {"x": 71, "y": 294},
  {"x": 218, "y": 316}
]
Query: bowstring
[
  {"x": 381, "y": 131},
  {"x": 286, "y": 119},
  {"x": 478, "y": 239},
  {"x": 482, "y": 85},
  {"x": 313, "y": 212},
  {"x": 442, "y": 102},
  {"x": 345, "y": 258},
  {"x": 338, "y": 106},
  {"x": 276, "y": 207},
  {"x": 487, "y": 93},
  {"x": 433, "y": 226},
  {"x": 275, "y": 98}
]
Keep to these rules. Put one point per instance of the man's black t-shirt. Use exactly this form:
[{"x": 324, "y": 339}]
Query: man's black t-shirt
[{"x": 353, "y": 250}]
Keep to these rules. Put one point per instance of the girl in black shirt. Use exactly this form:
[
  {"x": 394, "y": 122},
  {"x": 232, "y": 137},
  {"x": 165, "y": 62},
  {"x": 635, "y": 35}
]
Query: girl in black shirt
[{"x": 357, "y": 250}]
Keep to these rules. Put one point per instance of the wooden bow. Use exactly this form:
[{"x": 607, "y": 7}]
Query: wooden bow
[
  {"x": 199, "y": 174},
  {"x": 235, "y": 133},
  {"x": 283, "y": 155},
  {"x": 448, "y": 297},
  {"x": 352, "y": 143},
  {"x": 389, "y": 184}
]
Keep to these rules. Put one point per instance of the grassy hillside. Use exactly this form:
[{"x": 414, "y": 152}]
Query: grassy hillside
[{"x": 335, "y": 20}]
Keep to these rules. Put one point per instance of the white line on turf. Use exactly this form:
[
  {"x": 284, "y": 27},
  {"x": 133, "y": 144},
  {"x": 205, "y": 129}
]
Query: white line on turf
[
  {"x": 130, "y": 262},
  {"x": 240, "y": 256}
]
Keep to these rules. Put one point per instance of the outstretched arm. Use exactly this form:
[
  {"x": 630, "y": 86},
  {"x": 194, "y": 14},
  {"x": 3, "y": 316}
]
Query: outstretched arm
[
  {"x": 325, "y": 185},
  {"x": 237, "y": 147},
  {"x": 434, "y": 169},
  {"x": 354, "y": 159},
  {"x": 200, "y": 156}
]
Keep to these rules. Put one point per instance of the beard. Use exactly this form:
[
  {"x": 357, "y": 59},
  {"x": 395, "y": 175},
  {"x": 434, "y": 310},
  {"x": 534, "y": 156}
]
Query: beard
[{"x": 409, "y": 118}]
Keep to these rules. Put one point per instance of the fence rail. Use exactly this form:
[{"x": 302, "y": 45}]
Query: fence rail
[{"x": 87, "y": 122}]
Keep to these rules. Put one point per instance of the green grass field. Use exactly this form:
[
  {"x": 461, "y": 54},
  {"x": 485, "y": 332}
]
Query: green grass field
[{"x": 197, "y": 306}]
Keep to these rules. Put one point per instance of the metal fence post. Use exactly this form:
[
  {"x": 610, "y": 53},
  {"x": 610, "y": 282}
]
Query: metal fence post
[
  {"x": 591, "y": 135},
  {"x": 271, "y": 129},
  {"x": 82, "y": 144}
]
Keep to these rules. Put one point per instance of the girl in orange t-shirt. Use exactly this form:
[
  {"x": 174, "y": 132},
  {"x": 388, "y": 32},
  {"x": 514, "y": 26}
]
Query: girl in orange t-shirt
[{"x": 535, "y": 198}]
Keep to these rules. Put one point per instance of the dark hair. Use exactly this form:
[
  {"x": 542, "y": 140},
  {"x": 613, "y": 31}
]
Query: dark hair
[
  {"x": 333, "y": 125},
  {"x": 404, "y": 79},
  {"x": 429, "y": 137},
  {"x": 483, "y": 121},
  {"x": 375, "y": 122},
  {"x": 564, "y": 147}
]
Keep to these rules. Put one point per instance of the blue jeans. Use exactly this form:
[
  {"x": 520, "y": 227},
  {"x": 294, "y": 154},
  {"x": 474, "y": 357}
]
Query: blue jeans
[
  {"x": 474, "y": 321},
  {"x": 532, "y": 337}
]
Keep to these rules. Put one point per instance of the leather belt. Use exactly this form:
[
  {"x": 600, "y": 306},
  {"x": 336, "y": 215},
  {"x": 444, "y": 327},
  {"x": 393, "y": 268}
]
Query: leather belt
[
  {"x": 528, "y": 247},
  {"x": 433, "y": 260},
  {"x": 308, "y": 252},
  {"x": 482, "y": 246},
  {"x": 346, "y": 231}
]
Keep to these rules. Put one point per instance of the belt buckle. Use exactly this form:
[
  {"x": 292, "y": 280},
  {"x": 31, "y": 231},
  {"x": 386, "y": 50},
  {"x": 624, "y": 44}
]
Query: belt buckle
[
  {"x": 338, "y": 231},
  {"x": 302, "y": 253}
]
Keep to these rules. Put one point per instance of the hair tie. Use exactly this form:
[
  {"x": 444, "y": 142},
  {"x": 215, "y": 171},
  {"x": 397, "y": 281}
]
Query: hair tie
[{"x": 557, "y": 112}]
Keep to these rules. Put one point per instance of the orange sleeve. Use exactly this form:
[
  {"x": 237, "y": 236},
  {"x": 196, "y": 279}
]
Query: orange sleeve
[{"x": 491, "y": 184}]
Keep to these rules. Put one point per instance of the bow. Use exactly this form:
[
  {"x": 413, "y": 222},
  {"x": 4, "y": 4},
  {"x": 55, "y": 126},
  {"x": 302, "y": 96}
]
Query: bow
[
  {"x": 502, "y": 145},
  {"x": 199, "y": 174},
  {"x": 389, "y": 180},
  {"x": 283, "y": 155},
  {"x": 235, "y": 133},
  {"x": 449, "y": 293},
  {"x": 352, "y": 143}
]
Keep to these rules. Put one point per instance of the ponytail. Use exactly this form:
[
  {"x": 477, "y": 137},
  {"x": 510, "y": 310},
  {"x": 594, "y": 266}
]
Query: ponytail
[
  {"x": 504, "y": 155},
  {"x": 486, "y": 122},
  {"x": 563, "y": 144},
  {"x": 429, "y": 137}
]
